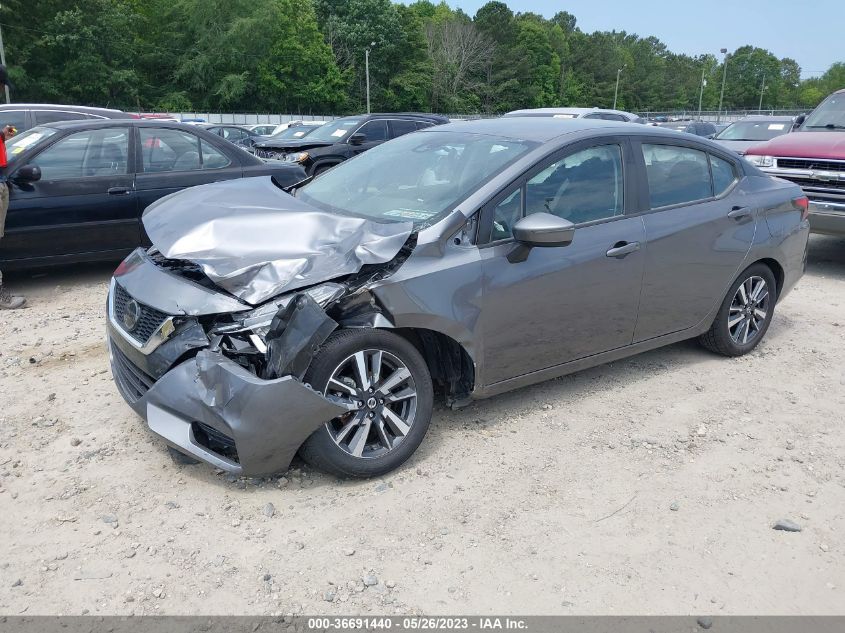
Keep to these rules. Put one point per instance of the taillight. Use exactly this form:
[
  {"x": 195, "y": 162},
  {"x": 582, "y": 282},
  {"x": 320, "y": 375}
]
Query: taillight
[{"x": 802, "y": 203}]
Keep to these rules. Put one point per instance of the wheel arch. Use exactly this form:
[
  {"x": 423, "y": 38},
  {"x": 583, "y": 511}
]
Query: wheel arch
[
  {"x": 450, "y": 364},
  {"x": 777, "y": 270}
]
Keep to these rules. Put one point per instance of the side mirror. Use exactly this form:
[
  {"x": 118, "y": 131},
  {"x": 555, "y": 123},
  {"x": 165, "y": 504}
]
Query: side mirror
[
  {"x": 28, "y": 173},
  {"x": 543, "y": 229},
  {"x": 539, "y": 229},
  {"x": 711, "y": 135},
  {"x": 799, "y": 121},
  {"x": 358, "y": 139}
]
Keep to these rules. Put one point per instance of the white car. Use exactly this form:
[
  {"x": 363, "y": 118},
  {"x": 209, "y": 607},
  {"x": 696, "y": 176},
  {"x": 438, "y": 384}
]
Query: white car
[
  {"x": 270, "y": 129},
  {"x": 579, "y": 113}
]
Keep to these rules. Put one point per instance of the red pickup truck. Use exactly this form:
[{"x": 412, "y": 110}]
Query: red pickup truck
[{"x": 814, "y": 158}]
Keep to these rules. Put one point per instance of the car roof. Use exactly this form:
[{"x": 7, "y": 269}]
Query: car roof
[
  {"x": 764, "y": 117},
  {"x": 63, "y": 125},
  {"x": 53, "y": 106},
  {"x": 399, "y": 115},
  {"x": 577, "y": 111},
  {"x": 542, "y": 129}
]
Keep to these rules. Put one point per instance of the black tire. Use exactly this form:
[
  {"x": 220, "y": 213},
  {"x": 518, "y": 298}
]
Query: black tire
[
  {"x": 719, "y": 338},
  {"x": 320, "y": 449}
]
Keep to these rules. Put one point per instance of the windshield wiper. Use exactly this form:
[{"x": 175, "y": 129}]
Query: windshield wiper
[{"x": 828, "y": 126}]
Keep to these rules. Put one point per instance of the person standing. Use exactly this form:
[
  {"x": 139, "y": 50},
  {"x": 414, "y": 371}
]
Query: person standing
[{"x": 7, "y": 301}]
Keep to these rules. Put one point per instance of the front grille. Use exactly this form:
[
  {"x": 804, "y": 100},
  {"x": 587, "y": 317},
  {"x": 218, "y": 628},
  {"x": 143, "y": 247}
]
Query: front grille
[
  {"x": 268, "y": 153},
  {"x": 149, "y": 321},
  {"x": 132, "y": 381},
  {"x": 812, "y": 183},
  {"x": 809, "y": 163}
]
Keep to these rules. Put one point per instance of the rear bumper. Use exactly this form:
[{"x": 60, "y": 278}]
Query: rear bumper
[
  {"x": 827, "y": 217},
  {"x": 214, "y": 410}
]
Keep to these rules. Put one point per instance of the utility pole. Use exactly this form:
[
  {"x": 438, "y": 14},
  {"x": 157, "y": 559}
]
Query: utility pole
[
  {"x": 724, "y": 52},
  {"x": 3, "y": 61},
  {"x": 616, "y": 92},
  {"x": 367, "y": 72},
  {"x": 701, "y": 91},
  {"x": 762, "y": 88}
]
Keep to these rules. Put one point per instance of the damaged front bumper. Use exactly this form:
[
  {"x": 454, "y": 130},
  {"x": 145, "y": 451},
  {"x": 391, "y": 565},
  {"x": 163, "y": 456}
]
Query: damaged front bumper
[
  {"x": 199, "y": 400},
  {"x": 214, "y": 410}
]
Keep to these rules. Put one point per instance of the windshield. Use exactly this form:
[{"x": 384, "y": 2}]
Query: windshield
[
  {"x": 335, "y": 130},
  {"x": 299, "y": 131},
  {"x": 754, "y": 130},
  {"x": 830, "y": 114},
  {"x": 24, "y": 141},
  {"x": 417, "y": 177}
]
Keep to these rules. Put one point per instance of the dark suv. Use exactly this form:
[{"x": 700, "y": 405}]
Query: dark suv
[
  {"x": 26, "y": 115},
  {"x": 344, "y": 138}
]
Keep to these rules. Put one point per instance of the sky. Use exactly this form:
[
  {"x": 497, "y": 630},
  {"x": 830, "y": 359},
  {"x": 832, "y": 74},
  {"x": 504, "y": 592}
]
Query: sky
[{"x": 810, "y": 32}]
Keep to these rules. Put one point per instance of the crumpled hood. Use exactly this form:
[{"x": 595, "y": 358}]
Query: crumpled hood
[{"x": 256, "y": 241}]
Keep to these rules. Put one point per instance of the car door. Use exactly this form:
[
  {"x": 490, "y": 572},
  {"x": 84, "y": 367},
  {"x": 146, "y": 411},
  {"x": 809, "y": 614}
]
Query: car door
[
  {"x": 563, "y": 303},
  {"x": 83, "y": 204},
  {"x": 172, "y": 159},
  {"x": 376, "y": 133},
  {"x": 697, "y": 241}
]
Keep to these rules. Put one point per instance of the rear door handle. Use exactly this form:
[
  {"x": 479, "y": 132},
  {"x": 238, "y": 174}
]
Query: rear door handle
[
  {"x": 119, "y": 191},
  {"x": 739, "y": 212},
  {"x": 620, "y": 249}
]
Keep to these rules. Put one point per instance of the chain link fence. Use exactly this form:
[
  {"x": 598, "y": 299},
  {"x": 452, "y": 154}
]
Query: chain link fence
[{"x": 253, "y": 118}]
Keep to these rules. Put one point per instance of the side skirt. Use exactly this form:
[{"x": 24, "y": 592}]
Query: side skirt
[{"x": 590, "y": 361}]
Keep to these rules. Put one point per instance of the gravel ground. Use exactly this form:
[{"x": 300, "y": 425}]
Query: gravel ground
[{"x": 648, "y": 486}]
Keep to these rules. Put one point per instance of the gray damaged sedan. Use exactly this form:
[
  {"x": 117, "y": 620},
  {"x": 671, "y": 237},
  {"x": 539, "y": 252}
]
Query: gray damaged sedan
[{"x": 461, "y": 261}]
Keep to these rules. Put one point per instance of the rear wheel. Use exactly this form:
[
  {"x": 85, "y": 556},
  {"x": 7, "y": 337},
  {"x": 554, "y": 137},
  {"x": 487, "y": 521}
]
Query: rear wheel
[
  {"x": 745, "y": 314},
  {"x": 384, "y": 381}
]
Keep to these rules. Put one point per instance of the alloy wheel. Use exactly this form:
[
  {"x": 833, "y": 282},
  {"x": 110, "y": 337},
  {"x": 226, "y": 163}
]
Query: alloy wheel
[
  {"x": 378, "y": 390},
  {"x": 748, "y": 310}
]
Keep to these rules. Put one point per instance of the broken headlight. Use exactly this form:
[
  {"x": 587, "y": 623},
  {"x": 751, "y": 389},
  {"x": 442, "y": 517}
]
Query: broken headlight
[
  {"x": 298, "y": 157},
  {"x": 258, "y": 321}
]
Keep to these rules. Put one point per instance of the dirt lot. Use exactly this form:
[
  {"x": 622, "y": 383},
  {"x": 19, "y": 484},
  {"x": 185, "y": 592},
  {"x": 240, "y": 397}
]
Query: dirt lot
[{"x": 648, "y": 486}]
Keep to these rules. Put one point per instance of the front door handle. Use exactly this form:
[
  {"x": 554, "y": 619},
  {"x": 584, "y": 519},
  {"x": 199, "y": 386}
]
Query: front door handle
[
  {"x": 739, "y": 212},
  {"x": 119, "y": 191},
  {"x": 621, "y": 249}
]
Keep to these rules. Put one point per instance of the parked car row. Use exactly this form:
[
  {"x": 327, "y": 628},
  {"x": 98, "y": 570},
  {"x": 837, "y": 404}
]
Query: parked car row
[{"x": 347, "y": 290}]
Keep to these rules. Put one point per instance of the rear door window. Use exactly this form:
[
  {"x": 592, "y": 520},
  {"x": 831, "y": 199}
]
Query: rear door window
[
  {"x": 213, "y": 158},
  {"x": 169, "y": 150},
  {"x": 676, "y": 175},
  {"x": 398, "y": 128},
  {"x": 724, "y": 174}
]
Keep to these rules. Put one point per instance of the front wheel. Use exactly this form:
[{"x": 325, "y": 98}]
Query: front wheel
[
  {"x": 745, "y": 314},
  {"x": 384, "y": 381}
]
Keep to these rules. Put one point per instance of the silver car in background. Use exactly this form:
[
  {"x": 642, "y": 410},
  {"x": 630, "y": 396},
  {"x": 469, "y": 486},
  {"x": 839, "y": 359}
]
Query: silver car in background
[
  {"x": 602, "y": 114},
  {"x": 464, "y": 260},
  {"x": 753, "y": 130}
]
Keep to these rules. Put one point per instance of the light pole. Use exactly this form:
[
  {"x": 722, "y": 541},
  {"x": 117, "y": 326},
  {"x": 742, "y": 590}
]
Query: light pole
[
  {"x": 616, "y": 92},
  {"x": 701, "y": 91},
  {"x": 367, "y": 72},
  {"x": 762, "y": 88},
  {"x": 724, "y": 52}
]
